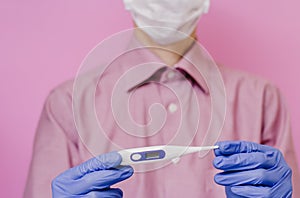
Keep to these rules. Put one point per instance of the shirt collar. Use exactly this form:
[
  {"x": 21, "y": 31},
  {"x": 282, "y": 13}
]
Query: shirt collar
[
  {"x": 196, "y": 65},
  {"x": 195, "y": 62}
]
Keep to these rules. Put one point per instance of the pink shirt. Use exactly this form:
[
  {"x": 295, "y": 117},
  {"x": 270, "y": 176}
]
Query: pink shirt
[{"x": 118, "y": 111}]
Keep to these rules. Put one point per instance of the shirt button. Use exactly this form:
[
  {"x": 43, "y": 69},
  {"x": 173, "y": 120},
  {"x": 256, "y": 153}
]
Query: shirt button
[
  {"x": 172, "y": 108},
  {"x": 171, "y": 75}
]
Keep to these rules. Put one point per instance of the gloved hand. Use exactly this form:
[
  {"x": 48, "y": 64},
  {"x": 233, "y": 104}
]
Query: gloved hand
[
  {"x": 252, "y": 170},
  {"x": 92, "y": 178}
]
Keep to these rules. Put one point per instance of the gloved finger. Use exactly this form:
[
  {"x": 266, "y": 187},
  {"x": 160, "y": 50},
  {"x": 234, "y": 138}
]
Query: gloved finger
[
  {"x": 99, "y": 180},
  {"x": 246, "y": 161},
  {"x": 234, "y": 147},
  {"x": 252, "y": 191},
  {"x": 106, "y": 193},
  {"x": 251, "y": 177},
  {"x": 230, "y": 194},
  {"x": 101, "y": 162}
]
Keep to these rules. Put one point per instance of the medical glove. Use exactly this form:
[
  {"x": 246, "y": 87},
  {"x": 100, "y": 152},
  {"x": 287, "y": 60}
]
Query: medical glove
[
  {"x": 252, "y": 170},
  {"x": 92, "y": 178}
]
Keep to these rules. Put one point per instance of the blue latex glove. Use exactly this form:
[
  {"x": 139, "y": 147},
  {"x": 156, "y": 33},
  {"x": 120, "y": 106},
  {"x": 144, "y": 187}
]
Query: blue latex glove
[
  {"x": 92, "y": 178},
  {"x": 252, "y": 170}
]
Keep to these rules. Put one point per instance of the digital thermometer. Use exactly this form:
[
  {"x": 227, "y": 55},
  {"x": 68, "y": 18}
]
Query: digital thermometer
[{"x": 151, "y": 154}]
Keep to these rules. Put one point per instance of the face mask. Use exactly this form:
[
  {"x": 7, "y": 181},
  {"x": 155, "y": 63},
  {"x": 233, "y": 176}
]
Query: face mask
[{"x": 167, "y": 21}]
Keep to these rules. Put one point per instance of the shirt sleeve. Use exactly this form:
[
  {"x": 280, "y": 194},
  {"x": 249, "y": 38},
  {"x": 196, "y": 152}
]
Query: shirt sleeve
[
  {"x": 277, "y": 131},
  {"x": 50, "y": 150}
]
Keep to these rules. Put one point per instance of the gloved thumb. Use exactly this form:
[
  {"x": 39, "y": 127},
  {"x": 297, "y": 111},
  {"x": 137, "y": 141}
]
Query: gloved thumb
[{"x": 101, "y": 162}]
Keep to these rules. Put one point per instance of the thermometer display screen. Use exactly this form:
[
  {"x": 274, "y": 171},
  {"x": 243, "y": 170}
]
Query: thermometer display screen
[
  {"x": 152, "y": 155},
  {"x": 147, "y": 155}
]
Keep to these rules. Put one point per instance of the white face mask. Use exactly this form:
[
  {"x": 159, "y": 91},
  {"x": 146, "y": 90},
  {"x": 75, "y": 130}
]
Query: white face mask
[{"x": 167, "y": 21}]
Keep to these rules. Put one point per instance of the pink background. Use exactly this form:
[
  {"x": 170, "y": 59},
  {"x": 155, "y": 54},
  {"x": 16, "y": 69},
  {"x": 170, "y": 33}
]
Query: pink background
[{"x": 43, "y": 42}]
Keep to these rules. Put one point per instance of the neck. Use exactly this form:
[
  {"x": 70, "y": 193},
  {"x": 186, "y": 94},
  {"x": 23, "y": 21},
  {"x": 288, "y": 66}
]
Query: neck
[{"x": 169, "y": 54}]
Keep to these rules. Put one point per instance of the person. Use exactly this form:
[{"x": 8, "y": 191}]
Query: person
[{"x": 255, "y": 157}]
